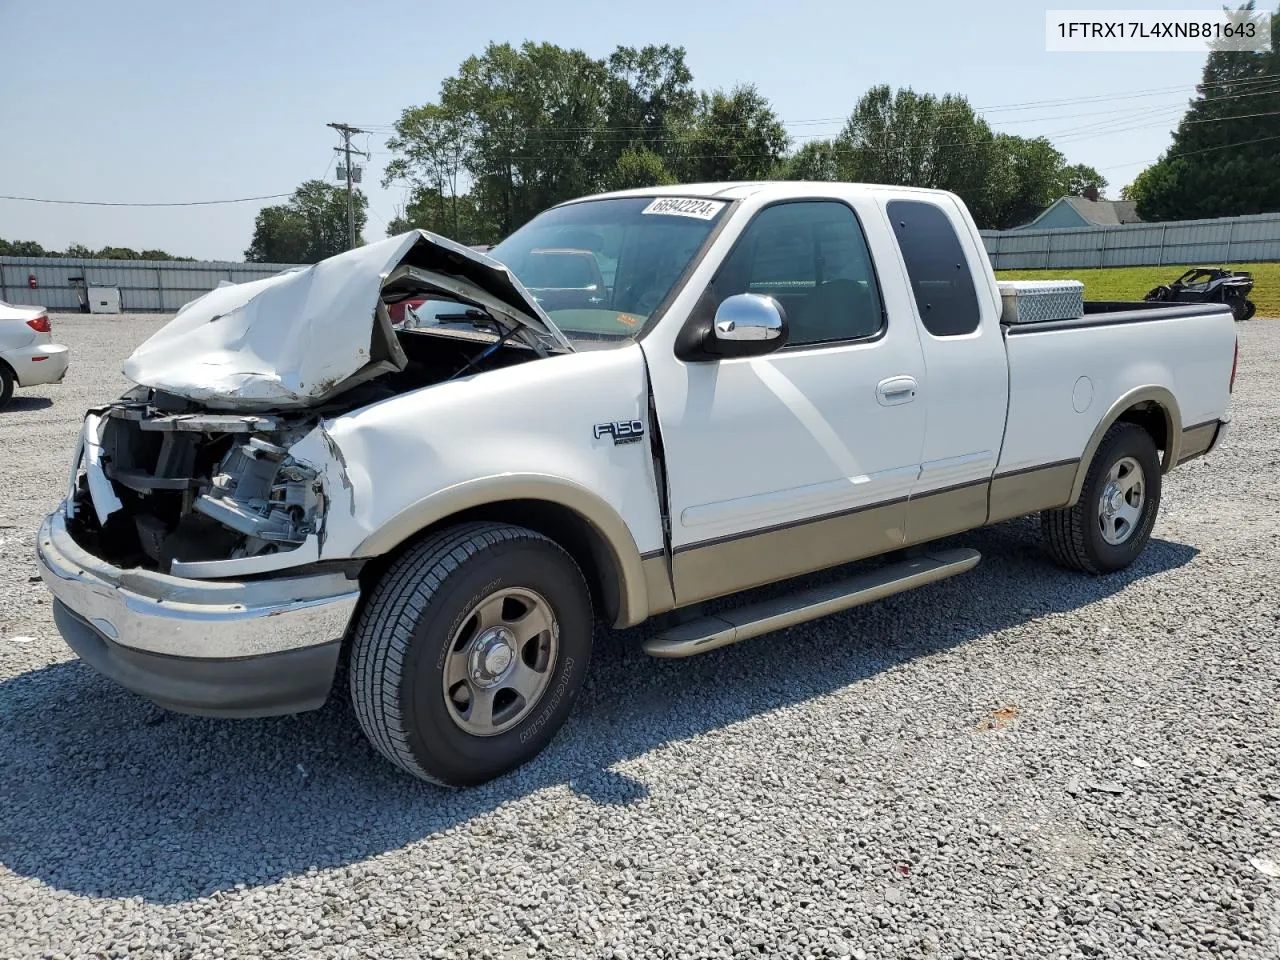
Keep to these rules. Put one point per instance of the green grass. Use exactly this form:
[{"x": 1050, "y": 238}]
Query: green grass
[{"x": 1132, "y": 283}]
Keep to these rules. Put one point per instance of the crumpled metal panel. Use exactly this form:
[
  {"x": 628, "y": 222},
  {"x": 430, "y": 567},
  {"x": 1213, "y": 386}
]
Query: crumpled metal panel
[{"x": 295, "y": 339}]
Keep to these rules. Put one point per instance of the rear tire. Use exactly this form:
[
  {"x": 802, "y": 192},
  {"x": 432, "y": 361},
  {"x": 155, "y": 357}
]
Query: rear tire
[
  {"x": 1250, "y": 308},
  {"x": 470, "y": 652},
  {"x": 6, "y": 385},
  {"x": 1111, "y": 522}
]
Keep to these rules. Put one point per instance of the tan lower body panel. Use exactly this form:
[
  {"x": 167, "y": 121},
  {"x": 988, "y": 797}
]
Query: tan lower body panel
[
  {"x": 1026, "y": 491},
  {"x": 657, "y": 582},
  {"x": 1196, "y": 440},
  {"x": 717, "y": 568},
  {"x": 940, "y": 513}
]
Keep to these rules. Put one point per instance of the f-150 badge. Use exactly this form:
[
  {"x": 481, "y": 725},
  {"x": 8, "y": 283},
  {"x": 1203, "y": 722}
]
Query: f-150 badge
[{"x": 622, "y": 431}]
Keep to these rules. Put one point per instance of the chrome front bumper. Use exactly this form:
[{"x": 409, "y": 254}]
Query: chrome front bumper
[{"x": 244, "y": 648}]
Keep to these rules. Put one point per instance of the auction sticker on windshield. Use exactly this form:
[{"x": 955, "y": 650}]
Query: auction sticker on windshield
[{"x": 685, "y": 207}]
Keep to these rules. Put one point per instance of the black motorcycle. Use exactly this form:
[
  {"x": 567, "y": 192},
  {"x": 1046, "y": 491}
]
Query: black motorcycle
[{"x": 1210, "y": 285}]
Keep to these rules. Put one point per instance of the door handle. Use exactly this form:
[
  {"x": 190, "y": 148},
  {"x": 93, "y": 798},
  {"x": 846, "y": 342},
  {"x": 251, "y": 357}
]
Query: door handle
[{"x": 896, "y": 390}]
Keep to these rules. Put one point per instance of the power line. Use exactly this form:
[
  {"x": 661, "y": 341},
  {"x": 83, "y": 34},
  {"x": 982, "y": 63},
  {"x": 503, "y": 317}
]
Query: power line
[
  {"x": 1253, "y": 86},
  {"x": 1069, "y": 135},
  {"x": 1249, "y": 83},
  {"x": 1188, "y": 153},
  {"x": 111, "y": 203}
]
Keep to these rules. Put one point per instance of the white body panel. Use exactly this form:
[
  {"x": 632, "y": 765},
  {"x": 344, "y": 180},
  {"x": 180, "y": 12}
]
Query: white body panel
[
  {"x": 13, "y": 311},
  {"x": 32, "y": 356},
  {"x": 37, "y": 363},
  {"x": 1052, "y": 414},
  {"x": 533, "y": 419}
]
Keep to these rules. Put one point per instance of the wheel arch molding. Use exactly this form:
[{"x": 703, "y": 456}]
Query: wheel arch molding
[
  {"x": 565, "y": 511},
  {"x": 1150, "y": 407}
]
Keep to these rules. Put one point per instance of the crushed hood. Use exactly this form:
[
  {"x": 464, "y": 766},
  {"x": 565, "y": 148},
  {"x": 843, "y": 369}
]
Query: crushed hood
[{"x": 301, "y": 337}]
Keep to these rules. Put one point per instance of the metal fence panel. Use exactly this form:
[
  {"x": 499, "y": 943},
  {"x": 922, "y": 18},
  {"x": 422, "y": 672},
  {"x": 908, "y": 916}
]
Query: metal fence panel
[
  {"x": 145, "y": 285},
  {"x": 1225, "y": 240}
]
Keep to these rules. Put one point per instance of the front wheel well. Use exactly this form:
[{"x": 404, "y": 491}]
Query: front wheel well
[{"x": 579, "y": 538}]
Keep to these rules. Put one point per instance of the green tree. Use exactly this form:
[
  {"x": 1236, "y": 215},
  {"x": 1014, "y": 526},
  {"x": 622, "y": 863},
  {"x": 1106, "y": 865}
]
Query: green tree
[
  {"x": 22, "y": 248},
  {"x": 1026, "y": 175},
  {"x": 431, "y": 145},
  {"x": 517, "y": 130},
  {"x": 459, "y": 218},
  {"x": 538, "y": 127},
  {"x": 1222, "y": 161},
  {"x": 651, "y": 99},
  {"x": 733, "y": 136},
  {"x": 920, "y": 140},
  {"x": 1079, "y": 176},
  {"x": 29, "y": 248},
  {"x": 818, "y": 160},
  {"x": 649, "y": 109},
  {"x": 118, "y": 253},
  {"x": 638, "y": 166},
  {"x": 311, "y": 226},
  {"x": 163, "y": 255}
]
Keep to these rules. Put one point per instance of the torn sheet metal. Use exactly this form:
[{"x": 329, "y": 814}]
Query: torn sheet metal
[
  {"x": 101, "y": 492},
  {"x": 296, "y": 339}
]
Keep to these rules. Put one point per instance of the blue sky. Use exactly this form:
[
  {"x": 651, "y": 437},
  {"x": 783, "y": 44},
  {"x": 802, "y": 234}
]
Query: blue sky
[{"x": 138, "y": 100}]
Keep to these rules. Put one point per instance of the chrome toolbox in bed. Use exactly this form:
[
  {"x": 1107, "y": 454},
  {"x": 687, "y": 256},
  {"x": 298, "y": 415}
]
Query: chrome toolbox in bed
[{"x": 1034, "y": 301}]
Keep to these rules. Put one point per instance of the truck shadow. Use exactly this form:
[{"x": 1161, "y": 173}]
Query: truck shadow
[
  {"x": 206, "y": 805},
  {"x": 24, "y": 404}
]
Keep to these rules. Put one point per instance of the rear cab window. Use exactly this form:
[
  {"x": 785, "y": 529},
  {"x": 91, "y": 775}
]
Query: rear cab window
[{"x": 940, "y": 275}]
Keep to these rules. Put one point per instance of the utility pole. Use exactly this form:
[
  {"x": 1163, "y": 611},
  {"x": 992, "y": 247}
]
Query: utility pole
[{"x": 347, "y": 131}]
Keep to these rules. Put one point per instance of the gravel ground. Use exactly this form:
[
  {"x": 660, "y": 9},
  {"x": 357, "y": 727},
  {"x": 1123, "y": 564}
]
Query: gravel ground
[{"x": 1019, "y": 762}]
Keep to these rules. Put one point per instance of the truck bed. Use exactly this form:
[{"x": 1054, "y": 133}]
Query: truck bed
[{"x": 1063, "y": 382}]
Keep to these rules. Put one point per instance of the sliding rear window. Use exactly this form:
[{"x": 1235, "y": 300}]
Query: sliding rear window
[{"x": 940, "y": 276}]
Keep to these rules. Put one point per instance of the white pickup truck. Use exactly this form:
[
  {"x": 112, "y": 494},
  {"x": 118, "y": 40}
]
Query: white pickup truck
[{"x": 759, "y": 381}]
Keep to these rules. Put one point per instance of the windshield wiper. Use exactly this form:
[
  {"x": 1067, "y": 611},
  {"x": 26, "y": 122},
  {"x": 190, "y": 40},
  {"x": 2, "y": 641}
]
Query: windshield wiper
[
  {"x": 489, "y": 350},
  {"x": 475, "y": 316}
]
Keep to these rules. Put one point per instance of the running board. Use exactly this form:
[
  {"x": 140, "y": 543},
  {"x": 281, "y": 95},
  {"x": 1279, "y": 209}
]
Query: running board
[{"x": 742, "y": 623}]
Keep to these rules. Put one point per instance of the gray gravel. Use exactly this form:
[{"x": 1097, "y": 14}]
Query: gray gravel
[{"x": 1020, "y": 762}]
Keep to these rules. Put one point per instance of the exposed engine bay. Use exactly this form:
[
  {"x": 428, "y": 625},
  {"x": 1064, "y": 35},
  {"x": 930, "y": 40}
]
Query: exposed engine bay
[{"x": 166, "y": 483}]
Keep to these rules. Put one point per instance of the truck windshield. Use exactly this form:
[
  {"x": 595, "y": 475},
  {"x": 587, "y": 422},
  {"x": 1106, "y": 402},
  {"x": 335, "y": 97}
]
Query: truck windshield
[{"x": 600, "y": 268}]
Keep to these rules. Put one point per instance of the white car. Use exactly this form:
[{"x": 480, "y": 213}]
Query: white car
[
  {"x": 777, "y": 378},
  {"x": 28, "y": 355}
]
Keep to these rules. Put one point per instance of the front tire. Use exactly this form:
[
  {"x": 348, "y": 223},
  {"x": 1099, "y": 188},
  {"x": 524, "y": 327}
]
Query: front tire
[
  {"x": 1111, "y": 522},
  {"x": 470, "y": 652}
]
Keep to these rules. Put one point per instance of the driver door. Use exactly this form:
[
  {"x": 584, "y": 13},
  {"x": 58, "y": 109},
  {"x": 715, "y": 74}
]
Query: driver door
[{"x": 801, "y": 459}]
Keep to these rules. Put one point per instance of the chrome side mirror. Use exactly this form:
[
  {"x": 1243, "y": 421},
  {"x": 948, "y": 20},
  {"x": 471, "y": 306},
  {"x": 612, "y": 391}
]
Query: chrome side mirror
[{"x": 747, "y": 324}]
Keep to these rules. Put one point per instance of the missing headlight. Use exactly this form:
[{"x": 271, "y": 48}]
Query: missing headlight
[{"x": 263, "y": 493}]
